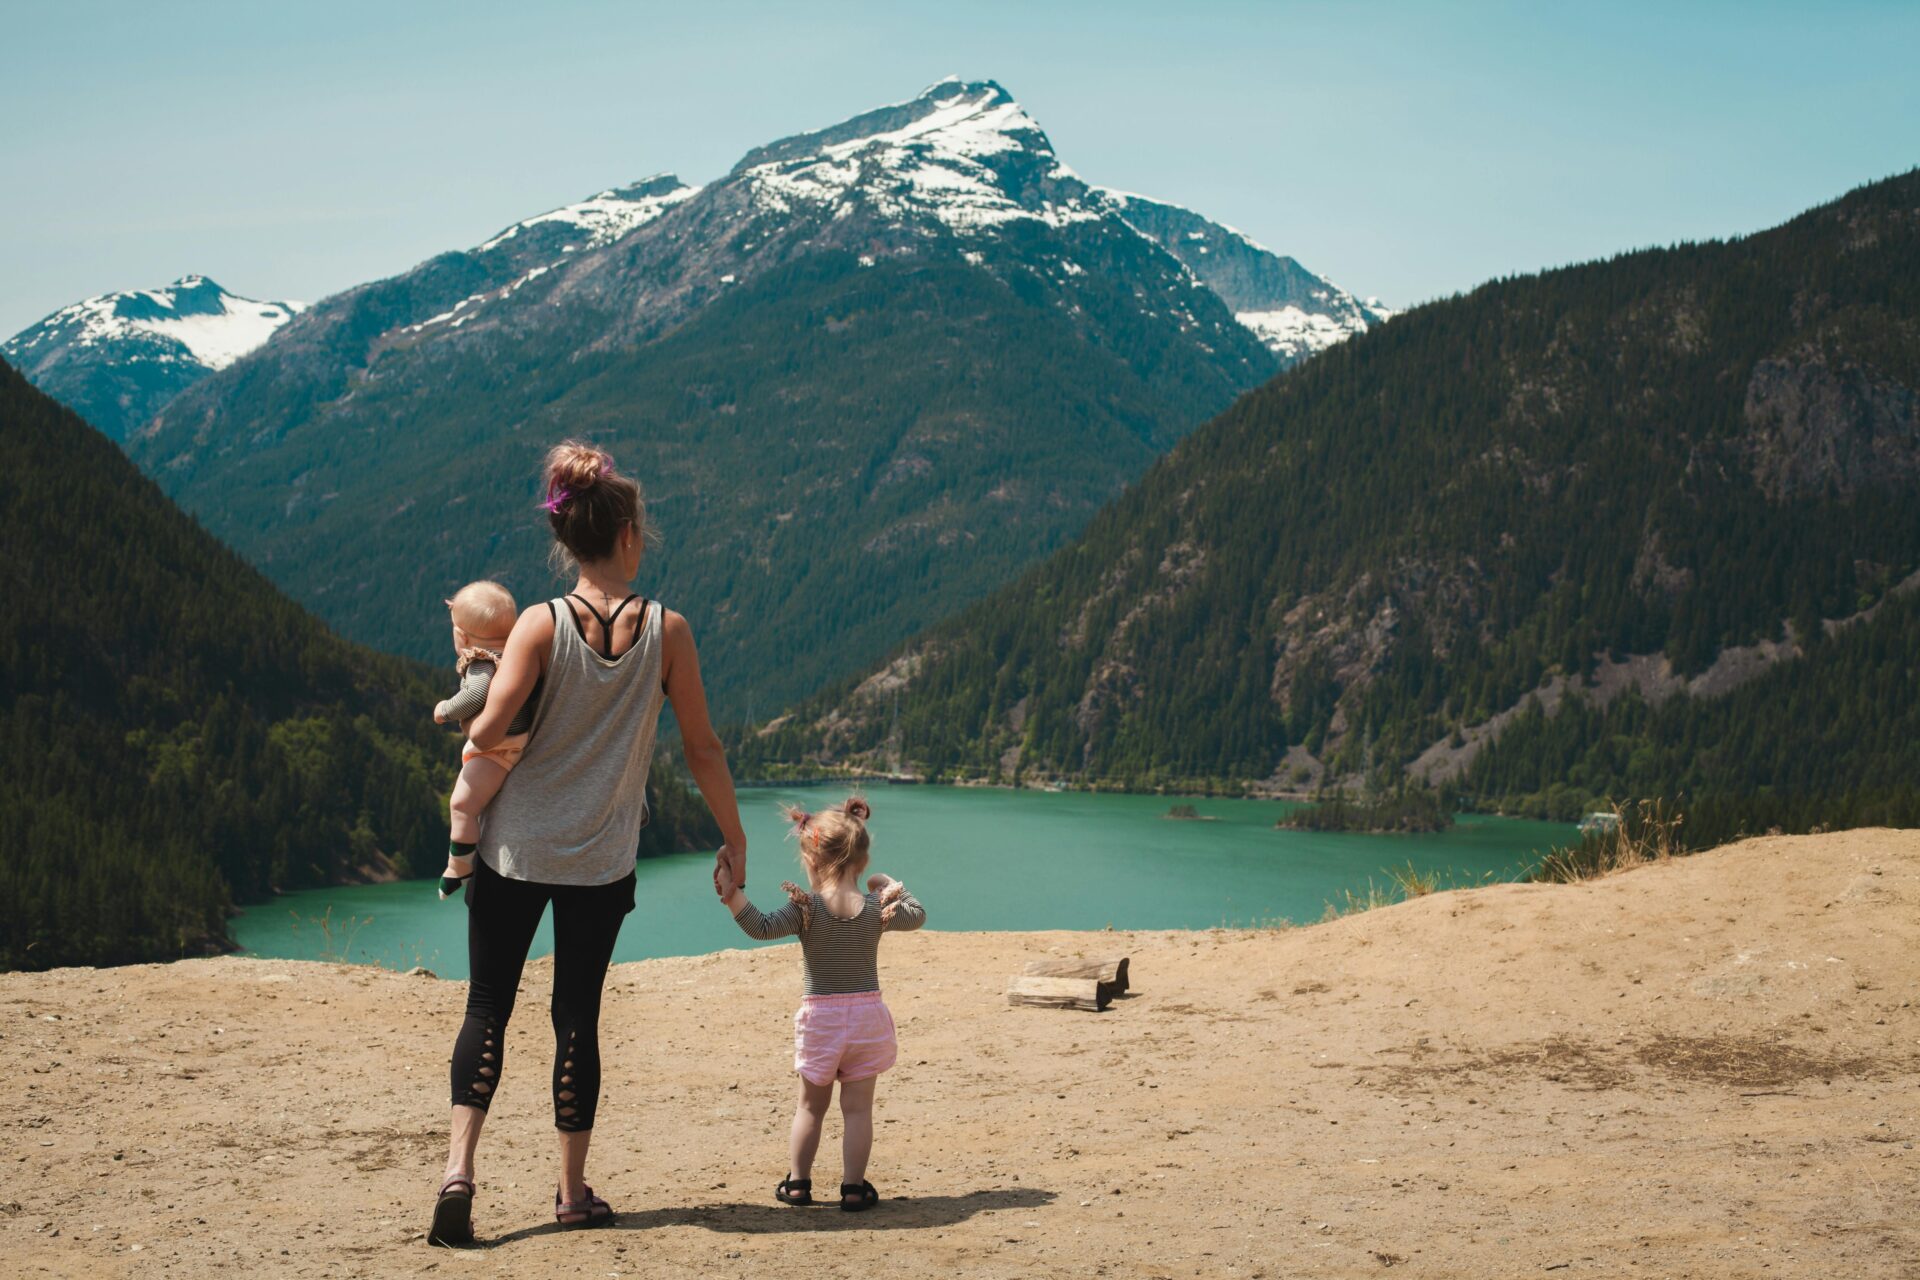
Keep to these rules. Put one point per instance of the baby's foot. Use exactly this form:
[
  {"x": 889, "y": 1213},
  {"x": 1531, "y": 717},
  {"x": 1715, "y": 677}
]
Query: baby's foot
[{"x": 457, "y": 873}]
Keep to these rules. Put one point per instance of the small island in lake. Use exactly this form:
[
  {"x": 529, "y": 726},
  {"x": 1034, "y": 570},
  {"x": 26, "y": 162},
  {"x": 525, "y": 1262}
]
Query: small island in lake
[
  {"x": 1186, "y": 813},
  {"x": 1408, "y": 811}
]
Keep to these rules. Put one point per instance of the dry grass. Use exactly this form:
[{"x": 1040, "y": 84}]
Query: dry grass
[
  {"x": 1352, "y": 903},
  {"x": 1412, "y": 882},
  {"x": 1648, "y": 831}
]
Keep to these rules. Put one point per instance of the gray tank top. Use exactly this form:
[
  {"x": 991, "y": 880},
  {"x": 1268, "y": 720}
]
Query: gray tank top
[{"x": 572, "y": 809}]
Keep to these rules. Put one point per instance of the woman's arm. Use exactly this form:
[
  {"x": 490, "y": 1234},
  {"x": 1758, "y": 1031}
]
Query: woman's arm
[
  {"x": 521, "y": 667},
  {"x": 706, "y": 758}
]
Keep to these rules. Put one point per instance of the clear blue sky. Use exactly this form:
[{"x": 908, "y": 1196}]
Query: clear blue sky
[{"x": 1406, "y": 150}]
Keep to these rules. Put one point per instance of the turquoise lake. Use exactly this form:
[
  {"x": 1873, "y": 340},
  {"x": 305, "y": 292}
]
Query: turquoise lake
[{"x": 978, "y": 858}]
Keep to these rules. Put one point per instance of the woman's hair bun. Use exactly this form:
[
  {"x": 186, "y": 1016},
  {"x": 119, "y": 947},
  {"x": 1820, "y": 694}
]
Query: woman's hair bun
[
  {"x": 575, "y": 466},
  {"x": 589, "y": 502},
  {"x": 855, "y": 807}
]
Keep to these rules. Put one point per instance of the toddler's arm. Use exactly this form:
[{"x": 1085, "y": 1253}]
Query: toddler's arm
[
  {"x": 900, "y": 911},
  {"x": 784, "y": 923},
  {"x": 467, "y": 703}
]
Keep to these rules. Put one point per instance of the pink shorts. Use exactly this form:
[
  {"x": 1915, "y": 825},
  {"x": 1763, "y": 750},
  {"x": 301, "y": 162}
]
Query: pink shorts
[{"x": 847, "y": 1037}]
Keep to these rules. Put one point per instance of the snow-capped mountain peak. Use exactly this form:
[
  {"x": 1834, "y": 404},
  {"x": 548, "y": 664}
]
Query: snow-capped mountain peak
[
  {"x": 964, "y": 156},
  {"x": 602, "y": 218},
  {"x": 117, "y": 358},
  {"x": 963, "y": 153},
  {"x": 191, "y": 320}
]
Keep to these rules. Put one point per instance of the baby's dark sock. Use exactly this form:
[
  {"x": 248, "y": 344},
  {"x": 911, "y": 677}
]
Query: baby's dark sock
[{"x": 450, "y": 885}]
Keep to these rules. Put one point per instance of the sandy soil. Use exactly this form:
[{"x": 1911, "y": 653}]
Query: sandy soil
[{"x": 1705, "y": 1068}]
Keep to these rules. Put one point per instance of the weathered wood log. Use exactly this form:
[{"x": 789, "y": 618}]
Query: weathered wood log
[
  {"x": 1057, "y": 993},
  {"x": 1110, "y": 971}
]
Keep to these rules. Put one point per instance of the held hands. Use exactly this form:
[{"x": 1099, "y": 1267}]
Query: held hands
[
  {"x": 734, "y": 862},
  {"x": 723, "y": 882}
]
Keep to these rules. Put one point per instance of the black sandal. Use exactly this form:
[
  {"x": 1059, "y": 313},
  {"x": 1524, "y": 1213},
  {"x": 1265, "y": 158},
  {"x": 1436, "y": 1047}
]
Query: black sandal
[
  {"x": 794, "y": 1191},
  {"x": 591, "y": 1212},
  {"x": 868, "y": 1196},
  {"x": 453, "y": 1215}
]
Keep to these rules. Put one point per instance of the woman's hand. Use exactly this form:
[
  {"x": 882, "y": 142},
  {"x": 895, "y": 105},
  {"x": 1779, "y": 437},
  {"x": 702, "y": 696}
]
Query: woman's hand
[
  {"x": 723, "y": 882},
  {"x": 734, "y": 862}
]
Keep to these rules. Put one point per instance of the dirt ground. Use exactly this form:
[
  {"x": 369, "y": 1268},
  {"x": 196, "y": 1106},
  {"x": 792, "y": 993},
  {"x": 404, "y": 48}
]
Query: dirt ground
[{"x": 1704, "y": 1068}]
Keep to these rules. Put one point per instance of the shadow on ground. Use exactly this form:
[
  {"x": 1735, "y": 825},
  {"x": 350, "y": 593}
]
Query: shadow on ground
[{"x": 901, "y": 1214}]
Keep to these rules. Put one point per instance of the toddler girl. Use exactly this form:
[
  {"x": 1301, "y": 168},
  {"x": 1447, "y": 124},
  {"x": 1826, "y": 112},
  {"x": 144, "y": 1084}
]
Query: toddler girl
[
  {"x": 483, "y": 615},
  {"x": 842, "y": 1031}
]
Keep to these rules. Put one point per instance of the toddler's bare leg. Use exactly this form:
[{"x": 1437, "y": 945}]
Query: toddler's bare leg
[
  {"x": 479, "y": 783},
  {"x": 856, "y": 1114},
  {"x": 808, "y": 1117}
]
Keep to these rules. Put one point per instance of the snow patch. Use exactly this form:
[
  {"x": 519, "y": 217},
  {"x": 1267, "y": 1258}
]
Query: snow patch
[
  {"x": 195, "y": 319},
  {"x": 604, "y": 218},
  {"x": 1296, "y": 333}
]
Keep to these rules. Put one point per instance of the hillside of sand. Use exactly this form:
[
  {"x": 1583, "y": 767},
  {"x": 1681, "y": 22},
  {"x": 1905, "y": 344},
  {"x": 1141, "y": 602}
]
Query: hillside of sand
[{"x": 1700, "y": 1068}]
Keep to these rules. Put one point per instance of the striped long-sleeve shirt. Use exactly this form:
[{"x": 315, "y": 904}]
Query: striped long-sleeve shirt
[
  {"x": 467, "y": 703},
  {"x": 838, "y": 956}
]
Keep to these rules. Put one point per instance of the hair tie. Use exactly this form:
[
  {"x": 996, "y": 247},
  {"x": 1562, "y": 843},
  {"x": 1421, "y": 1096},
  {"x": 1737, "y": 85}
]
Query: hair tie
[{"x": 557, "y": 499}]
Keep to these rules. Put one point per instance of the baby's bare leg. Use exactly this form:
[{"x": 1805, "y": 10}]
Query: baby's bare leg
[
  {"x": 479, "y": 783},
  {"x": 856, "y": 1114},
  {"x": 809, "y": 1114}
]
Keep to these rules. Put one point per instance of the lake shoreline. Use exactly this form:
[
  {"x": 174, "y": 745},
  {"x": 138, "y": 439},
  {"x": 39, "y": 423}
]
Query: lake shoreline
[{"x": 1073, "y": 860}]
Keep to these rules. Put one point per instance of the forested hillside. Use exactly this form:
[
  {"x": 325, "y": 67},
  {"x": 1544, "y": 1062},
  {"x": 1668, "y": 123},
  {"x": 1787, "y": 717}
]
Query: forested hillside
[
  {"x": 866, "y": 377},
  {"x": 175, "y": 734},
  {"x": 1831, "y": 741},
  {"x": 1660, "y": 473}
]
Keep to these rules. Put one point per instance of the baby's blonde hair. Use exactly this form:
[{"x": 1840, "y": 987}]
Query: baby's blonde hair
[
  {"x": 833, "y": 842},
  {"x": 484, "y": 610}
]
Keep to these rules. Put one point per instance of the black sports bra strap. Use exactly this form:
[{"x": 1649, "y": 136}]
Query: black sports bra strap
[{"x": 606, "y": 621}]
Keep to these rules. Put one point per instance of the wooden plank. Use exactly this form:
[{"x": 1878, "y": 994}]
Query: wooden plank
[
  {"x": 1043, "y": 992},
  {"x": 1110, "y": 971}
]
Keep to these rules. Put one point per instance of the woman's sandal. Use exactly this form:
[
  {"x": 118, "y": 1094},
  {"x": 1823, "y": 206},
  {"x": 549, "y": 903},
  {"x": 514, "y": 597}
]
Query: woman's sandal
[
  {"x": 453, "y": 1214},
  {"x": 868, "y": 1196},
  {"x": 794, "y": 1191},
  {"x": 591, "y": 1212}
]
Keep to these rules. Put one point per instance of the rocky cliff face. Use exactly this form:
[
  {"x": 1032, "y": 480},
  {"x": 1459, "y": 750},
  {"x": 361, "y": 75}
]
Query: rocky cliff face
[{"x": 1816, "y": 426}]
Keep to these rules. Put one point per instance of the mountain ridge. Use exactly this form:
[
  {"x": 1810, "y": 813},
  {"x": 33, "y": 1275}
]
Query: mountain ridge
[
  {"x": 930, "y": 333},
  {"x": 1677, "y": 452}
]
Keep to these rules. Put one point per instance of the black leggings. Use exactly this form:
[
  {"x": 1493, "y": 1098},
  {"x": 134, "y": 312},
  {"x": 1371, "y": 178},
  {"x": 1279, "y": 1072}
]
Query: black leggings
[{"x": 502, "y": 915}]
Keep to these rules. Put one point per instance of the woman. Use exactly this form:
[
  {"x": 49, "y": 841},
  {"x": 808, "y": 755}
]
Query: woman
[{"x": 566, "y": 826}]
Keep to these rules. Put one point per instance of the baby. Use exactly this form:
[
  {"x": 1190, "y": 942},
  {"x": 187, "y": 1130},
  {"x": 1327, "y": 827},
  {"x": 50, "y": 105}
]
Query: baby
[
  {"x": 843, "y": 1031},
  {"x": 483, "y": 615}
]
